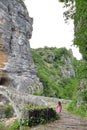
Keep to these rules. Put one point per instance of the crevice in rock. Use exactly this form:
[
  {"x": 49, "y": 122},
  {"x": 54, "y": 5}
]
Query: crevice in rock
[
  {"x": 4, "y": 81},
  {"x": 10, "y": 42}
]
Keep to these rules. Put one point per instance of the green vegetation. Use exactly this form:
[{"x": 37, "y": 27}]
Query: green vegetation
[
  {"x": 8, "y": 111},
  {"x": 35, "y": 115},
  {"x": 15, "y": 126},
  {"x": 2, "y": 126},
  {"x": 80, "y": 22},
  {"x": 38, "y": 115},
  {"x": 80, "y": 40},
  {"x": 78, "y": 12},
  {"x": 51, "y": 64}
]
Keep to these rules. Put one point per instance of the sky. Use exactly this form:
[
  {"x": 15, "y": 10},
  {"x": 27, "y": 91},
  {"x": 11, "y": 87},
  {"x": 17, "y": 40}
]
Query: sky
[{"x": 49, "y": 27}]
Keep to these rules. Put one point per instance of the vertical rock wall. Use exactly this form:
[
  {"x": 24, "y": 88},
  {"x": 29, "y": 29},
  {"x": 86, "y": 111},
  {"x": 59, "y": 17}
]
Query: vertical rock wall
[{"x": 15, "y": 32}]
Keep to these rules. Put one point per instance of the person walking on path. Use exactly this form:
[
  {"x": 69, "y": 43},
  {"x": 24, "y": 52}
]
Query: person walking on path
[{"x": 59, "y": 107}]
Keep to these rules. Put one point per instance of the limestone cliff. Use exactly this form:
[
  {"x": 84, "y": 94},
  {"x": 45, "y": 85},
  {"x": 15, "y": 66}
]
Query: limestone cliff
[{"x": 15, "y": 32}]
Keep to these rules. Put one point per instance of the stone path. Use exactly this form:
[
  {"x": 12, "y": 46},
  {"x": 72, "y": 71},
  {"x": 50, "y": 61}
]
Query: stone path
[{"x": 67, "y": 121}]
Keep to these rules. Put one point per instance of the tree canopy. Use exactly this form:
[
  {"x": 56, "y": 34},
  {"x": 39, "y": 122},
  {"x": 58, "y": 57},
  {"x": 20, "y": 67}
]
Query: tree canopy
[
  {"x": 80, "y": 40},
  {"x": 80, "y": 23}
]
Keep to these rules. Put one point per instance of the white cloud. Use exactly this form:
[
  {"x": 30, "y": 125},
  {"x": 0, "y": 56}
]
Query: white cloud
[{"x": 49, "y": 28}]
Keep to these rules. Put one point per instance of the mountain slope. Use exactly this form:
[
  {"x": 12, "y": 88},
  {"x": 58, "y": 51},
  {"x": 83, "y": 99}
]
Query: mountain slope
[{"x": 57, "y": 71}]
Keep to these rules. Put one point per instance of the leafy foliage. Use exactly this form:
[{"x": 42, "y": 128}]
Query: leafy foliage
[
  {"x": 80, "y": 22},
  {"x": 39, "y": 115},
  {"x": 68, "y": 88},
  {"x": 80, "y": 40},
  {"x": 48, "y": 62},
  {"x": 78, "y": 11},
  {"x": 8, "y": 111},
  {"x": 15, "y": 125}
]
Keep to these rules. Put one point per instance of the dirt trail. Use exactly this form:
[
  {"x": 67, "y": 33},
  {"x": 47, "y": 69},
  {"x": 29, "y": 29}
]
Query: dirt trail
[{"x": 67, "y": 121}]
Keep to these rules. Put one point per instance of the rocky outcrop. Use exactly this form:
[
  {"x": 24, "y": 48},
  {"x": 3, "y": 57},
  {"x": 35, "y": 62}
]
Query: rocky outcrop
[
  {"x": 67, "y": 69},
  {"x": 15, "y": 32}
]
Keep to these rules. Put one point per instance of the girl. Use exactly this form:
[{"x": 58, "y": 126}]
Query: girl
[{"x": 59, "y": 107}]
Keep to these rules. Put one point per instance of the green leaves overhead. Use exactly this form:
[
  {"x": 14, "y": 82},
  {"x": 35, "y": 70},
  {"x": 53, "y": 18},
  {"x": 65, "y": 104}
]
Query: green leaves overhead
[
  {"x": 80, "y": 22},
  {"x": 79, "y": 14}
]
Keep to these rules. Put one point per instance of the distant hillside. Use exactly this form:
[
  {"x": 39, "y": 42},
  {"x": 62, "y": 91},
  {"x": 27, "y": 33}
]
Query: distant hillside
[{"x": 57, "y": 70}]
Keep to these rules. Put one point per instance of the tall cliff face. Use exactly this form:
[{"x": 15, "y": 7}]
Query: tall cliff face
[{"x": 15, "y": 32}]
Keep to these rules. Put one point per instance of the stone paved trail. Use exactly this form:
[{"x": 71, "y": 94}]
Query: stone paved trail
[{"x": 67, "y": 121}]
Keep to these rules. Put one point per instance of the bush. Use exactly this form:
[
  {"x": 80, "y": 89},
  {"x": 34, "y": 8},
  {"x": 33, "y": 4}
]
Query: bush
[
  {"x": 8, "y": 111},
  {"x": 15, "y": 126},
  {"x": 39, "y": 92},
  {"x": 80, "y": 109},
  {"x": 39, "y": 116},
  {"x": 84, "y": 94},
  {"x": 72, "y": 106}
]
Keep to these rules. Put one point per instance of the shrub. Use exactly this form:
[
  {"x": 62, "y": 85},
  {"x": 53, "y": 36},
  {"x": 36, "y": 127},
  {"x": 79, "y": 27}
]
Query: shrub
[
  {"x": 8, "y": 111},
  {"x": 39, "y": 115},
  {"x": 15, "y": 126}
]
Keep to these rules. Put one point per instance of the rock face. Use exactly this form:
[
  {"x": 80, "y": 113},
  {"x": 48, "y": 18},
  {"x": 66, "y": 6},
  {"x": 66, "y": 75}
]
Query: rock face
[
  {"x": 67, "y": 69},
  {"x": 15, "y": 32}
]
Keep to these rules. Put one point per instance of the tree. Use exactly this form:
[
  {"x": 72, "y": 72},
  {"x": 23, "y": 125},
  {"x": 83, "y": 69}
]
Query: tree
[{"x": 78, "y": 11}]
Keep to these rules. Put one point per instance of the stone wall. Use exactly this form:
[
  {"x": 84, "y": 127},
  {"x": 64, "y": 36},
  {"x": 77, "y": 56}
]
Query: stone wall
[
  {"x": 20, "y": 100},
  {"x": 15, "y": 32}
]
